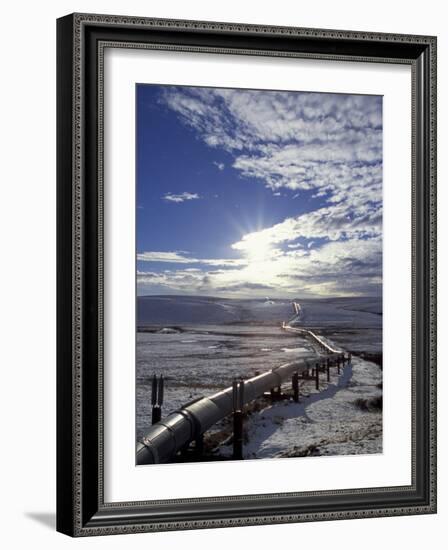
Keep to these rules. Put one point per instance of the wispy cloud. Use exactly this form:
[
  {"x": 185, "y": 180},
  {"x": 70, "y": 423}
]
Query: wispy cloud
[
  {"x": 183, "y": 258},
  {"x": 324, "y": 146},
  {"x": 304, "y": 271},
  {"x": 315, "y": 272},
  {"x": 182, "y": 197},
  {"x": 285, "y": 138}
]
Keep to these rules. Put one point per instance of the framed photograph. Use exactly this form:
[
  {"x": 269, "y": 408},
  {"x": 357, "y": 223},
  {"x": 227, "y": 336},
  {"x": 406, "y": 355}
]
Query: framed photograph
[{"x": 246, "y": 274}]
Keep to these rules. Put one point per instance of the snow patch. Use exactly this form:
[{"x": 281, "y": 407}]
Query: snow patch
[{"x": 323, "y": 423}]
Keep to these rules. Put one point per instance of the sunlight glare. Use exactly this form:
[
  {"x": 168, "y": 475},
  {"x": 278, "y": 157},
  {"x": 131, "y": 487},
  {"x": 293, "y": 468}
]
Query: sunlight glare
[{"x": 257, "y": 248}]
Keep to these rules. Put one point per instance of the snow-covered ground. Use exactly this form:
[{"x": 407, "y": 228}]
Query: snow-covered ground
[
  {"x": 203, "y": 359},
  {"x": 359, "y": 313},
  {"x": 200, "y": 344},
  {"x": 326, "y": 422},
  {"x": 324, "y": 312}
]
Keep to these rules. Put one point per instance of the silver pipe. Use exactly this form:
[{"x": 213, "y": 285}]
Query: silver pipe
[
  {"x": 162, "y": 440},
  {"x": 313, "y": 335}
]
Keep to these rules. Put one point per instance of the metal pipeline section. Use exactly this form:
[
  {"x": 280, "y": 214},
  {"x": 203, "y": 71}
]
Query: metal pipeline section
[
  {"x": 287, "y": 326},
  {"x": 164, "y": 439},
  {"x": 324, "y": 345}
]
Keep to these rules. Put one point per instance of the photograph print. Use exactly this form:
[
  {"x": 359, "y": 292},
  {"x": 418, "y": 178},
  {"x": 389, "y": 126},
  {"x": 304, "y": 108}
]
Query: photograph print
[{"x": 258, "y": 274}]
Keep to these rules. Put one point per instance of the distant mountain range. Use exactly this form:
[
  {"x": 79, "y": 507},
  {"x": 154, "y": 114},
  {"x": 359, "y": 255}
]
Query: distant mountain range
[{"x": 179, "y": 310}]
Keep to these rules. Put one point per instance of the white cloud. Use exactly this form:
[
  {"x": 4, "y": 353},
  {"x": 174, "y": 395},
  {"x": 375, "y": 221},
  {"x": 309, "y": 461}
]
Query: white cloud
[
  {"x": 292, "y": 143},
  {"x": 328, "y": 143},
  {"x": 179, "y": 257},
  {"x": 293, "y": 272},
  {"x": 170, "y": 257},
  {"x": 333, "y": 222},
  {"x": 181, "y": 197}
]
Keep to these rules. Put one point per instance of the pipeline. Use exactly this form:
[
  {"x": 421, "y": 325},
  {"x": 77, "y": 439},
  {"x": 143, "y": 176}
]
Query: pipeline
[
  {"x": 165, "y": 438},
  {"x": 297, "y": 313},
  {"x": 324, "y": 345}
]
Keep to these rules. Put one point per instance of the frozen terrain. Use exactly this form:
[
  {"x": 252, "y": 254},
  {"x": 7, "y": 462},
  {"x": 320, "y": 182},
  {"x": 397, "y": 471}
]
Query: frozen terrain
[
  {"x": 329, "y": 422},
  {"x": 330, "y": 312},
  {"x": 200, "y": 344},
  {"x": 156, "y": 310},
  {"x": 203, "y": 359}
]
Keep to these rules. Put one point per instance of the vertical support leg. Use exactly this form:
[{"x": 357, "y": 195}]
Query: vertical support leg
[
  {"x": 160, "y": 391},
  {"x": 328, "y": 370},
  {"x": 295, "y": 386},
  {"x": 238, "y": 435},
  {"x": 154, "y": 386},
  {"x": 317, "y": 375},
  {"x": 238, "y": 403},
  {"x": 156, "y": 414}
]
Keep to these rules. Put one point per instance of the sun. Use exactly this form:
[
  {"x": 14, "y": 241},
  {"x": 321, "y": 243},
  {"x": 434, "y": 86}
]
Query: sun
[{"x": 257, "y": 248}]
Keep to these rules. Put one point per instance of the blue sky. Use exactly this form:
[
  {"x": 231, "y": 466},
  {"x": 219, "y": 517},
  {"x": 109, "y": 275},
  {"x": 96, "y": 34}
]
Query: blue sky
[{"x": 244, "y": 193}]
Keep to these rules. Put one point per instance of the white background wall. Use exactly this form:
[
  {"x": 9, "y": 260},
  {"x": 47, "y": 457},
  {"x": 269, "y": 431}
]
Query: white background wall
[{"x": 27, "y": 286}]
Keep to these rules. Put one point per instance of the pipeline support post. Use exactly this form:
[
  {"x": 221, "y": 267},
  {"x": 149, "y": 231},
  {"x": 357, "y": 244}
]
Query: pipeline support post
[
  {"x": 156, "y": 398},
  {"x": 238, "y": 405},
  {"x": 317, "y": 375},
  {"x": 295, "y": 386},
  {"x": 328, "y": 369},
  {"x": 156, "y": 415}
]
